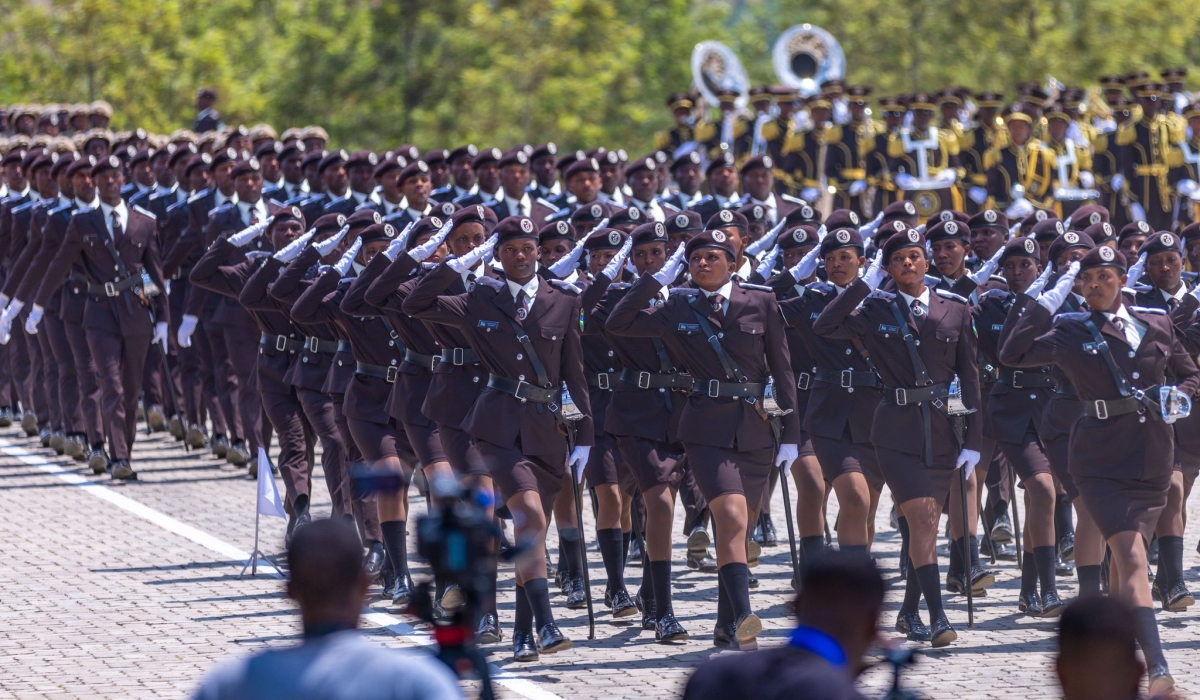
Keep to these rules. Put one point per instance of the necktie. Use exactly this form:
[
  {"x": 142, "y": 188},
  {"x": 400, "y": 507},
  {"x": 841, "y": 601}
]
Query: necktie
[
  {"x": 253, "y": 216},
  {"x": 116, "y": 225},
  {"x": 917, "y": 311},
  {"x": 1172, "y": 303},
  {"x": 718, "y": 301},
  {"x": 1119, "y": 324},
  {"x": 522, "y": 305},
  {"x": 470, "y": 281},
  {"x": 658, "y": 299}
]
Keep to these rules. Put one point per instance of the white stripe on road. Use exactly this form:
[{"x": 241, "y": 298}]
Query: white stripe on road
[{"x": 392, "y": 624}]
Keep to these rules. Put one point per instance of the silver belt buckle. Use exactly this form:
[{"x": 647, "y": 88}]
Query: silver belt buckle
[
  {"x": 390, "y": 374},
  {"x": 517, "y": 392},
  {"x": 847, "y": 378},
  {"x": 281, "y": 342},
  {"x": 1016, "y": 383},
  {"x": 602, "y": 380},
  {"x": 643, "y": 380},
  {"x": 313, "y": 344},
  {"x": 458, "y": 357},
  {"x": 714, "y": 388},
  {"x": 901, "y": 397},
  {"x": 803, "y": 381},
  {"x": 1101, "y": 409},
  {"x": 110, "y": 289}
]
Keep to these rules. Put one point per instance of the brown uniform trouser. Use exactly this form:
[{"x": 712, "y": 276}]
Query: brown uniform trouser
[
  {"x": 319, "y": 410},
  {"x": 119, "y": 363},
  {"x": 68, "y": 389},
  {"x": 287, "y": 417},
  {"x": 89, "y": 384},
  {"x": 248, "y": 407},
  {"x": 48, "y": 377}
]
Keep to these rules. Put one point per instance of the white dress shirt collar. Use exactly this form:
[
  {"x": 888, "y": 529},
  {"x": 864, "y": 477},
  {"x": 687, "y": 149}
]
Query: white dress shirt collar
[
  {"x": 122, "y": 215},
  {"x": 924, "y": 299},
  {"x": 220, "y": 198},
  {"x": 725, "y": 201},
  {"x": 726, "y": 290},
  {"x": 1133, "y": 329},
  {"x": 530, "y": 288},
  {"x": 1177, "y": 296},
  {"x": 258, "y": 207}
]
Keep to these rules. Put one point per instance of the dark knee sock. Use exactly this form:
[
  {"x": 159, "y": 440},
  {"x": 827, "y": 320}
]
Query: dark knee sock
[
  {"x": 1063, "y": 523},
  {"x": 1147, "y": 637},
  {"x": 724, "y": 607},
  {"x": 538, "y": 593},
  {"x": 626, "y": 538},
  {"x": 974, "y": 550},
  {"x": 1089, "y": 579},
  {"x": 569, "y": 537},
  {"x": 489, "y": 597},
  {"x": 912, "y": 592},
  {"x": 902, "y": 523},
  {"x": 610, "y": 550},
  {"x": 1045, "y": 556},
  {"x": 660, "y": 574},
  {"x": 646, "y": 590},
  {"x": 523, "y": 617},
  {"x": 931, "y": 588},
  {"x": 1029, "y": 573},
  {"x": 956, "y": 558},
  {"x": 811, "y": 549},
  {"x": 396, "y": 544},
  {"x": 1170, "y": 561},
  {"x": 736, "y": 578},
  {"x": 855, "y": 550}
]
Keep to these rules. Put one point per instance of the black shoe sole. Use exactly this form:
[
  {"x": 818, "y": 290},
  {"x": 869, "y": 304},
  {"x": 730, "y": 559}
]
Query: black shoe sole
[
  {"x": 561, "y": 645},
  {"x": 943, "y": 639}
]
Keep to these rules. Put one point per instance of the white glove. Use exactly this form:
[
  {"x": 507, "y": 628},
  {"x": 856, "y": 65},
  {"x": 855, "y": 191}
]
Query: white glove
[
  {"x": 429, "y": 247},
  {"x": 1186, "y": 188},
  {"x": 1054, "y": 297},
  {"x": 1086, "y": 179},
  {"x": 328, "y": 245},
  {"x": 472, "y": 258},
  {"x": 342, "y": 266},
  {"x": 788, "y": 453},
  {"x": 807, "y": 266},
  {"x": 398, "y": 242},
  {"x": 987, "y": 268},
  {"x": 977, "y": 194},
  {"x": 857, "y": 187},
  {"x": 947, "y": 176},
  {"x": 868, "y": 229},
  {"x": 292, "y": 250},
  {"x": 875, "y": 272},
  {"x": 160, "y": 334},
  {"x": 670, "y": 269},
  {"x": 1016, "y": 229},
  {"x": 613, "y": 269},
  {"x": 10, "y": 312},
  {"x": 1136, "y": 212},
  {"x": 1019, "y": 209},
  {"x": 1017, "y": 191},
  {"x": 578, "y": 461},
  {"x": 187, "y": 326},
  {"x": 967, "y": 459},
  {"x": 766, "y": 241},
  {"x": 249, "y": 233},
  {"x": 768, "y": 263},
  {"x": 905, "y": 181},
  {"x": 810, "y": 194},
  {"x": 564, "y": 265},
  {"x": 1117, "y": 182},
  {"x": 1040, "y": 283},
  {"x": 822, "y": 232},
  {"x": 921, "y": 229},
  {"x": 1135, "y": 270},
  {"x": 34, "y": 318}
]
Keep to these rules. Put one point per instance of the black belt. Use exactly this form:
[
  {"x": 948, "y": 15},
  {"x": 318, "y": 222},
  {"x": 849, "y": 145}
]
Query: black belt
[
  {"x": 905, "y": 396},
  {"x": 315, "y": 344},
  {"x": 460, "y": 356},
  {"x": 280, "y": 343},
  {"x": 345, "y": 346},
  {"x": 523, "y": 390},
  {"x": 653, "y": 380},
  {"x": 846, "y": 378},
  {"x": 716, "y": 389},
  {"x": 1066, "y": 389},
  {"x": 1103, "y": 409},
  {"x": 423, "y": 361},
  {"x": 182, "y": 273},
  {"x": 1026, "y": 380},
  {"x": 601, "y": 380},
  {"x": 388, "y": 374},
  {"x": 112, "y": 289}
]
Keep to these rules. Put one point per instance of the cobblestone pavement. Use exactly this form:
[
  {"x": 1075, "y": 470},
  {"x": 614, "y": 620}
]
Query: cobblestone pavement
[{"x": 132, "y": 590}]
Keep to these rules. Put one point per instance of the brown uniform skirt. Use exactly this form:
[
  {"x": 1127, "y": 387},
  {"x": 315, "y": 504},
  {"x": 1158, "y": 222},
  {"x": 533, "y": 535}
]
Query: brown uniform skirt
[
  {"x": 723, "y": 470},
  {"x": 514, "y": 472},
  {"x": 1187, "y": 463},
  {"x": 844, "y": 456},
  {"x": 651, "y": 462},
  {"x": 1124, "y": 505},
  {"x": 604, "y": 461},
  {"x": 426, "y": 442},
  {"x": 1026, "y": 458},
  {"x": 459, "y": 448},
  {"x": 380, "y": 441},
  {"x": 908, "y": 478},
  {"x": 1058, "y": 452}
]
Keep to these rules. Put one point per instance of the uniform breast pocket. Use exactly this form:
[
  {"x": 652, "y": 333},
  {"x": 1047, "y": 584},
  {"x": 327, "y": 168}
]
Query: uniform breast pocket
[
  {"x": 947, "y": 341},
  {"x": 753, "y": 329},
  {"x": 554, "y": 335}
]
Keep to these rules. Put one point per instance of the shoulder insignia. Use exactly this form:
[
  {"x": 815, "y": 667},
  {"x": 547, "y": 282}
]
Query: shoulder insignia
[
  {"x": 950, "y": 295},
  {"x": 793, "y": 200},
  {"x": 706, "y": 198},
  {"x": 27, "y": 206},
  {"x": 1127, "y": 133},
  {"x": 932, "y": 281},
  {"x": 818, "y": 287},
  {"x": 756, "y": 287},
  {"x": 486, "y": 281},
  {"x": 1148, "y": 310},
  {"x": 199, "y": 195},
  {"x": 685, "y": 291},
  {"x": 146, "y": 213},
  {"x": 567, "y": 287},
  {"x": 1072, "y": 316},
  {"x": 998, "y": 294},
  {"x": 60, "y": 208},
  {"x": 177, "y": 206},
  {"x": 881, "y": 294}
]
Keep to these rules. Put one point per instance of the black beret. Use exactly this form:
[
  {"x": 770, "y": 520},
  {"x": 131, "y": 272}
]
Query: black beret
[
  {"x": 64, "y": 161},
  {"x": 629, "y": 215},
  {"x": 142, "y": 155},
  {"x": 514, "y": 157},
  {"x": 754, "y": 213},
  {"x": 724, "y": 160},
  {"x": 83, "y": 164},
  {"x": 951, "y": 215},
  {"x": 947, "y": 230},
  {"x": 586, "y": 165},
  {"x": 910, "y": 238},
  {"x": 842, "y": 238},
  {"x": 270, "y": 148},
  {"x": 903, "y": 210},
  {"x": 686, "y": 221},
  {"x": 546, "y": 149},
  {"x": 183, "y": 150},
  {"x": 590, "y": 214},
  {"x": 293, "y": 149},
  {"x": 516, "y": 227},
  {"x": 389, "y": 164},
  {"x": 1047, "y": 230},
  {"x": 312, "y": 158},
  {"x": 1067, "y": 241},
  {"x": 244, "y": 167},
  {"x": 45, "y": 160},
  {"x": 796, "y": 236},
  {"x": 605, "y": 239},
  {"x": 222, "y": 156},
  {"x": 426, "y": 225},
  {"x": 653, "y": 232},
  {"x": 14, "y": 157},
  {"x": 557, "y": 230},
  {"x": 467, "y": 151},
  {"x": 1190, "y": 232},
  {"x": 1021, "y": 247},
  {"x": 30, "y": 156},
  {"x": 361, "y": 218},
  {"x": 724, "y": 218},
  {"x": 486, "y": 156},
  {"x": 1038, "y": 216},
  {"x": 648, "y": 163},
  {"x": 328, "y": 223},
  {"x": 988, "y": 218},
  {"x": 1087, "y": 215},
  {"x": 842, "y": 218},
  {"x": 281, "y": 213},
  {"x": 200, "y": 160},
  {"x": 377, "y": 232},
  {"x": 1161, "y": 242},
  {"x": 710, "y": 239},
  {"x": 437, "y": 155},
  {"x": 105, "y": 164},
  {"x": 689, "y": 158},
  {"x": 332, "y": 158},
  {"x": 567, "y": 159},
  {"x": 1134, "y": 228},
  {"x": 1103, "y": 256},
  {"x": 1101, "y": 232},
  {"x": 476, "y": 213},
  {"x": 803, "y": 214},
  {"x": 762, "y": 161}
]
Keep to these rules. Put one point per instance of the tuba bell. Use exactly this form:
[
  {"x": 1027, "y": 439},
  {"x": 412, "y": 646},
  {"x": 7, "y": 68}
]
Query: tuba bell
[
  {"x": 715, "y": 67},
  {"x": 806, "y": 56}
]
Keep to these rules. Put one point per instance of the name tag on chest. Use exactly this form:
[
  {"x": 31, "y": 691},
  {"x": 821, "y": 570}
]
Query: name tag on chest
[
  {"x": 489, "y": 325},
  {"x": 997, "y": 327},
  {"x": 885, "y": 328},
  {"x": 689, "y": 327}
]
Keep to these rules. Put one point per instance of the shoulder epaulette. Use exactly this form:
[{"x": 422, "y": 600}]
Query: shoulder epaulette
[
  {"x": 706, "y": 198},
  {"x": 818, "y": 287},
  {"x": 60, "y": 208},
  {"x": 565, "y": 286},
  {"x": 950, "y": 295},
  {"x": 932, "y": 281},
  {"x": 492, "y": 282},
  {"x": 138, "y": 208},
  {"x": 177, "y": 205},
  {"x": 1072, "y": 316},
  {"x": 758, "y": 287},
  {"x": 1127, "y": 133},
  {"x": 881, "y": 294},
  {"x": 547, "y": 203},
  {"x": 365, "y": 205},
  {"x": 27, "y": 206},
  {"x": 685, "y": 291},
  {"x": 620, "y": 285},
  {"x": 198, "y": 195},
  {"x": 793, "y": 200},
  {"x": 1148, "y": 310},
  {"x": 994, "y": 294}
]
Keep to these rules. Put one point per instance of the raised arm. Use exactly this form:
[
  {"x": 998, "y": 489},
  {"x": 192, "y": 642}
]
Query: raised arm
[{"x": 427, "y": 302}]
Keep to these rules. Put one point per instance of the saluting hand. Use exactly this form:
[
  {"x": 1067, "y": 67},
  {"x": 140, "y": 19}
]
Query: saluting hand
[
  {"x": 768, "y": 263},
  {"x": 765, "y": 241},
  {"x": 399, "y": 242},
  {"x": 292, "y": 250},
  {"x": 328, "y": 245},
  {"x": 342, "y": 266},
  {"x": 986, "y": 269},
  {"x": 1053, "y": 298},
  {"x": 670, "y": 269},
  {"x": 1040, "y": 283},
  {"x": 248, "y": 234},
  {"x": 613, "y": 269},
  {"x": 807, "y": 266},
  {"x": 1136, "y": 269},
  {"x": 422, "y": 252},
  {"x": 874, "y": 275},
  {"x": 472, "y": 258}
]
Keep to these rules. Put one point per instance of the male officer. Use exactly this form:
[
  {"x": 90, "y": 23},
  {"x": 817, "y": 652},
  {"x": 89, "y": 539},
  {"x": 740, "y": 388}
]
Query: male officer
[{"x": 722, "y": 178}]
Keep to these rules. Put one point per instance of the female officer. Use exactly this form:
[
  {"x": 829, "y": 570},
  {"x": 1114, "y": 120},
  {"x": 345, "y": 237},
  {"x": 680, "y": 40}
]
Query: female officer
[
  {"x": 920, "y": 339},
  {"x": 1121, "y": 448}
]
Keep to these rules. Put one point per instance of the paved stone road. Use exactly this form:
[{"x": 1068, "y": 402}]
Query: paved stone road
[{"x": 132, "y": 590}]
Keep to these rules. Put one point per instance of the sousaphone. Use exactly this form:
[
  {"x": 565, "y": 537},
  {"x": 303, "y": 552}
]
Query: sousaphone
[
  {"x": 716, "y": 67},
  {"x": 806, "y": 56}
]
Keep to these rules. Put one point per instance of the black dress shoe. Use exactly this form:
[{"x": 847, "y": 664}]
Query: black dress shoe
[
  {"x": 29, "y": 423},
  {"x": 981, "y": 578},
  {"x": 488, "y": 630},
  {"x": 1052, "y": 605},
  {"x": 941, "y": 634},
  {"x": 562, "y": 581},
  {"x": 1030, "y": 604},
  {"x": 6, "y": 417},
  {"x": 1063, "y": 568},
  {"x": 122, "y": 471},
  {"x": 669, "y": 630},
  {"x": 635, "y": 550},
  {"x": 746, "y": 629},
  {"x": 577, "y": 597},
  {"x": 302, "y": 515},
  {"x": 44, "y": 436},
  {"x": 1002, "y": 529},
  {"x": 622, "y": 605},
  {"x": 98, "y": 461},
  {"x": 175, "y": 427},
  {"x": 402, "y": 592},
  {"x": 752, "y": 582},
  {"x": 551, "y": 639},
  {"x": 702, "y": 562},
  {"x": 238, "y": 453},
  {"x": 1161, "y": 683},
  {"x": 220, "y": 445},
  {"x": 912, "y": 627},
  {"x": 767, "y": 528},
  {"x": 156, "y": 418},
  {"x": 1178, "y": 598},
  {"x": 195, "y": 437},
  {"x": 452, "y": 598},
  {"x": 373, "y": 563},
  {"x": 723, "y": 636},
  {"x": 647, "y": 609},
  {"x": 75, "y": 447},
  {"x": 523, "y": 648},
  {"x": 1066, "y": 547},
  {"x": 57, "y": 442}
]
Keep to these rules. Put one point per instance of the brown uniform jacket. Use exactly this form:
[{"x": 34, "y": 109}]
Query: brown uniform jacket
[{"x": 1012, "y": 406}]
